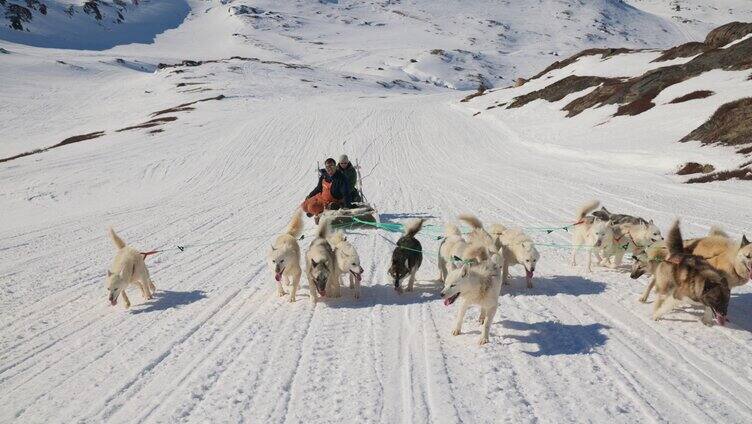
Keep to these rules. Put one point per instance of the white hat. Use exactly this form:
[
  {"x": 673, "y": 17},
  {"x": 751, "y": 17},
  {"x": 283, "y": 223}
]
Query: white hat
[{"x": 343, "y": 159}]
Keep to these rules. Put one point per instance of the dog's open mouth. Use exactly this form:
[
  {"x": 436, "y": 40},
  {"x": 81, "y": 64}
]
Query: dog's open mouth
[
  {"x": 528, "y": 274},
  {"x": 449, "y": 300},
  {"x": 356, "y": 275},
  {"x": 278, "y": 275},
  {"x": 719, "y": 317},
  {"x": 113, "y": 301}
]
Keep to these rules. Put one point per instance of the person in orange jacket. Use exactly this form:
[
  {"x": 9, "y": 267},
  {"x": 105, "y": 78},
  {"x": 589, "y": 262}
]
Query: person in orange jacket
[{"x": 331, "y": 192}]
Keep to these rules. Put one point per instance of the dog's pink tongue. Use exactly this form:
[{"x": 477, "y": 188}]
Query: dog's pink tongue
[
  {"x": 447, "y": 301},
  {"x": 113, "y": 302},
  {"x": 720, "y": 319},
  {"x": 528, "y": 274},
  {"x": 278, "y": 276}
]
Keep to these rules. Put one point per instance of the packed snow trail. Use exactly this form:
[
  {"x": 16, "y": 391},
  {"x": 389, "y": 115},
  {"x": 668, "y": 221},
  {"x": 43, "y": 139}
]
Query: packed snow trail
[{"x": 217, "y": 344}]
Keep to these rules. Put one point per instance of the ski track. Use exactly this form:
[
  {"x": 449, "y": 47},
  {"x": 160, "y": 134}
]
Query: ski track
[{"x": 220, "y": 343}]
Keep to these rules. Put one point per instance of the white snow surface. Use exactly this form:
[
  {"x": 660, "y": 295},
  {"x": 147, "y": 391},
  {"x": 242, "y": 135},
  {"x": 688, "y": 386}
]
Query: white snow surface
[{"x": 217, "y": 345}]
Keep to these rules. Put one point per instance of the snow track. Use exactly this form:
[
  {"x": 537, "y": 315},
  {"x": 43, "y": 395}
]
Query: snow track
[{"x": 217, "y": 344}]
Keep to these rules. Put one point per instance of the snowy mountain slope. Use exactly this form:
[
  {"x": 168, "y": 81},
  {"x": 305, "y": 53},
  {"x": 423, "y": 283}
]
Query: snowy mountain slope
[
  {"x": 225, "y": 176},
  {"x": 642, "y": 110},
  {"x": 88, "y": 24}
]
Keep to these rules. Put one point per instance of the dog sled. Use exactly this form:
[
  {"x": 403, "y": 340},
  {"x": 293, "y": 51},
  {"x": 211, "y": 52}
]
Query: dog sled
[{"x": 360, "y": 210}]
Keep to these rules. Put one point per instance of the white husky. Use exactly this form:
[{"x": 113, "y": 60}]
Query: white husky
[
  {"x": 475, "y": 285},
  {"x": 348, "y": 261},
  {"x": 284, "y": 257},
  {"x": 321, "y": 266},
  {"x": 127, "y": 268},
  {"x": 631, "y": 233},
  {"x": 596, "y": 234},
  {"x": 451, "y": 247},
  {"x": 517, "y": 248}
]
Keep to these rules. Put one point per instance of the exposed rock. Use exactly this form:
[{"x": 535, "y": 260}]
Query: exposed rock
[
  {"x": 480, "y": 92},
  {"x": 699, "y": 94},
  {"x": 69, "y": 140},
  {"x": 151, "y": 123},
  {"x": 642, "y": 89},
  {"x": 693, "y": 48},
  {"x": 190, "y": 63},
  {"x": 91, "y": 7},
  {"x": 186, "y": 106},
  {"x": 17, "y": 15},
  {"x": 560, "y": 89},
  {"x": 730, "y": 125},
  {"x": 695, "y": 168},
  {"x": 739, "y": 174},
  {"x": 605, "y": 53},
  {"x": 725, "y": 34},
  {"x": 245, "y": 10}
]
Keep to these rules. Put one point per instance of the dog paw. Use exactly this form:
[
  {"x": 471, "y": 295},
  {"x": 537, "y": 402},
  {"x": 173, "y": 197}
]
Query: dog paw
[
  {"x": 656, "y": 317},
  {"x": 643, "y": 299},
  {"x": 281, "y": 293},
  {"x": 482, "y": 341},
  {"x": 292, "y": 299},
  {"x": 456, "y": 332}
]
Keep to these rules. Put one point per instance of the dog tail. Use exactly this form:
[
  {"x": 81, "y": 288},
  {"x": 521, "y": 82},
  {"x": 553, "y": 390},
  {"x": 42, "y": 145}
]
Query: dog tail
[
  {"x": 674, "y": 241},
  {"x": 117, "y": 241},
  {"x": 717, "y": 231},
  {"x": 497, "y": 229},
  {"x": 295, "y": 227},
  {"x": 412, "y": 228},
  {"x": 451, "y": 230},
  {"x": 586, "y": 209},
  {"x": 323, "y": 230},
  {"x": 337, "y": 238},
  {"x": 471, "y": 220}
]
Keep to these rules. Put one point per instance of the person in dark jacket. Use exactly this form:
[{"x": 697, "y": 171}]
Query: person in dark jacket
[
  {"x": 346, "y": 167},
  {"x": 332, "y": 190}
]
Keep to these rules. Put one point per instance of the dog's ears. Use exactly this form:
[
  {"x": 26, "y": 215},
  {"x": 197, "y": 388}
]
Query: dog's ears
[
  {"x": 314, "y": 264},
  {"x": 109, "y": 273},
  {"x": 744, "y": 240},
  {"x": 464, "y": 271},
  {"x": 651, "y": 222},
  {"x": 273, "y": 248}
]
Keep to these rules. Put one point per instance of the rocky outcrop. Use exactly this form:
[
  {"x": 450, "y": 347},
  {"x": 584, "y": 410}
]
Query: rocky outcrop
[
  {"x": 635, "y": 95},
  {"x": 605, "y": 53},
  {"x": 730, "y": 125},
  {"x": 561, "y": 89}
]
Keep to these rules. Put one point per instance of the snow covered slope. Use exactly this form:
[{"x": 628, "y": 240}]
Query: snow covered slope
[
  {"x": 213, "y": 151},
  {"x": 630, "y": 108}
]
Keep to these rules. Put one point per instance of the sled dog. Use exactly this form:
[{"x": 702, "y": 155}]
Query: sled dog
[
  {"x": 348, "y": 261},
  {"x": 452, "y": 246},
  {"x": 596, "y": 234},
  {"x": 683, "y": 276},
  {"x": 127, "y": 268},
  {"x": 516, "y": 248},
  {"x": 475, "y": 285},
  {"x": 407, "y": 256},
  {"x": 321, "y": 265},
  {"x": 284, "y": 257}
]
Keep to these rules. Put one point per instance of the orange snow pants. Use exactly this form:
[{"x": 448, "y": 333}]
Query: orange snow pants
[{"x": 316, "y": 204}]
